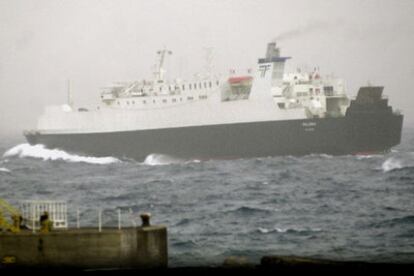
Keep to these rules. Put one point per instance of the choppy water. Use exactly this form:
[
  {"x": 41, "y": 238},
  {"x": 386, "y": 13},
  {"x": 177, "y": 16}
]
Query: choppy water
[{"x": 346, "y": 208}]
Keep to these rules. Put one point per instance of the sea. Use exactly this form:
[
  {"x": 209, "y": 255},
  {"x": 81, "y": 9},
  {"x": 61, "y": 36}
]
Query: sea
[{"x": 337, "y": 207}]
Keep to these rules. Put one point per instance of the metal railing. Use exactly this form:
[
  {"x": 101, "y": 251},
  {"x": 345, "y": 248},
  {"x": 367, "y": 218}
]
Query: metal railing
[{"x": 32, "y": 211}]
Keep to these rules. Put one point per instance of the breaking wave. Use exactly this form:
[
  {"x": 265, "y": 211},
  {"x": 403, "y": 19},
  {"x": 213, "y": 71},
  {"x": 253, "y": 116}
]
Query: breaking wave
[
  {"x": 4, "y": 170},
  {"x": 319, "y": 155},
  {"x": 394, "y": 163},
  {"x": 163, "y": 159},
  {"x": 40, "y": 152},
  {"x": 288, "y": 230},
  {"x": 371, "y": 156}
]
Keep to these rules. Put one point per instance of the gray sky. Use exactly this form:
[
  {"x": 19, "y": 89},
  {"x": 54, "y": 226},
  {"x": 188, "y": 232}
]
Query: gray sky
[{"x": 45, "y": 42}]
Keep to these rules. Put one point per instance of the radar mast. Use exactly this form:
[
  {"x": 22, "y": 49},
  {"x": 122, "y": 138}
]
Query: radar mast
[{"x": 160, "y": 71}]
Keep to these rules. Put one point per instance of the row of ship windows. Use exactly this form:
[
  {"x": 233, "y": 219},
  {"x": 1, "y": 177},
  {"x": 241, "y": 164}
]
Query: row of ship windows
[
  {"x": 317, "y": 92},
  {"x": 174, "y": 100},
  {"x": 190, "y": 86},
  {"x": 194, "y": 85}
]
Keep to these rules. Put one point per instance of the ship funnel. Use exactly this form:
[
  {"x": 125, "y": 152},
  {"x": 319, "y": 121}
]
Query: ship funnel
[
  {"x": 273, "y": 56},
  {"x": 272, "y": 51}
]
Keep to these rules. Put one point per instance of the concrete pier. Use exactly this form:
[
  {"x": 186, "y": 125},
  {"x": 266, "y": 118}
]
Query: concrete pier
[{"x": 141, "y": 247}]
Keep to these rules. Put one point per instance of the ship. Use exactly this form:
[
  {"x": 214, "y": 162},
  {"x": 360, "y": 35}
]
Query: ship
[{"x": 264, "y": 112}]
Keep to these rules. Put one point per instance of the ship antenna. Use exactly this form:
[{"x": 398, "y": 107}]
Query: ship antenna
[
  {"x": 209, "y": 56},
  {"x": 70, "y": 98},
  {"x": 159, "y": 74}
]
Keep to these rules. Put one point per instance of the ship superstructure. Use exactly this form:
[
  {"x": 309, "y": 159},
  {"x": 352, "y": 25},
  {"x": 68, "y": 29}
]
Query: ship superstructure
[{"x": 180, "y": 117}]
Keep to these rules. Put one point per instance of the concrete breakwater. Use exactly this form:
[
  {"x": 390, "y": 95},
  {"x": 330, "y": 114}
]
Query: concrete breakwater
[{"x": 140, "y": 247}]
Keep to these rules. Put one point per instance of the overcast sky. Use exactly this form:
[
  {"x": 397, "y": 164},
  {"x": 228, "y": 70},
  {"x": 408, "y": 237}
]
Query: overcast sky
[{"x": 94, "y": 42}]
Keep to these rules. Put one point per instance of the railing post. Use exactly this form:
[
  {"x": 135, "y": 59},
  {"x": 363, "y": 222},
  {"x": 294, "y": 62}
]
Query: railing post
[
  {"x": 100, "y": 220},
  {"x": 33, "y": 219},
  {"x": 77, "y": 218},
  {"x": 119, "y": 219}
]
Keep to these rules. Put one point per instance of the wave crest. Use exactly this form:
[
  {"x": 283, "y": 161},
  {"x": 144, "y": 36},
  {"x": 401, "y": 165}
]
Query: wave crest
[
  {"x": 4, "y": 170},
  {"x": 41, "y": 152},
  {"x": 160, "y": 159},
  {"x": 252, "y": 210},
  {"x": 156, "y": 159},
  {"x": 391, "y": 164},
  {"x": 291, "y": 230}
]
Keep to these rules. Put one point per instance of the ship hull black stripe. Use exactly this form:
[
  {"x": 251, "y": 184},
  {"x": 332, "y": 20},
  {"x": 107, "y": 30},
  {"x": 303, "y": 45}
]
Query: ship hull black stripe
[{"x": 336, "y": 136}]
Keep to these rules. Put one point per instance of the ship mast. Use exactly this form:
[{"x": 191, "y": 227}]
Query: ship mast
[
  {"x": 70, "y": 98},
  {"x": 159, "y": 73},
  {"x": 209, "y": 56}
]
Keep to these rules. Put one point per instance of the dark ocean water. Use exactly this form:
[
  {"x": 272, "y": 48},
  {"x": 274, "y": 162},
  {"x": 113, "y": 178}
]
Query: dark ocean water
[{"x": 346, "y": 207}]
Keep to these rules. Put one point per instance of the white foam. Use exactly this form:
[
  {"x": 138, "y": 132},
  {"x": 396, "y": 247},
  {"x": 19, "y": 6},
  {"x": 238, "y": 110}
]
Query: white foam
[
  {"x": 362, "y": 157},
  {"x": 156, "y": 159},
  {"x": 281, "y": 230},
  {"x": 39, "y": 151},
  {"x": 318, "y": 155},
  {"x": 263, "y": 230},
  {"x": 159, "y": 160},
  {"x": 391, "y": 163},
  {"x": 4, "y": 170},
  {"x": 286, "y": 230}
]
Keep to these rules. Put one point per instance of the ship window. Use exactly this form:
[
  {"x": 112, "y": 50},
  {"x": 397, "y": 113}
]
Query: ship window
[
  {"x": 205, "y": 85},
  {"x": 133, "y": 102},
  {"x": 281, "y": 105},
  {"x": 199, "y": 85},
  {"x": 183, "y": 87},
  {"x": 217, "y": 82},
  {"x": 189, "y": 86},
  {"x": 174, "y": 100},
  {"x": 164, "y": 100},
  {"x": 202, "y": 97},
  {"x": 195, "y": 85},
  {"x": 118, "y": 103},
  {"x": 209, "y": 84},
  {"x": 160, "y": 88},
  {"x": 181, "y": 99},
  {"x": 144, "y": 102},
  {"x": 190, "y": 98},
  {"x": 328, "y": 90},
  {"x": 153, "y": 101}
]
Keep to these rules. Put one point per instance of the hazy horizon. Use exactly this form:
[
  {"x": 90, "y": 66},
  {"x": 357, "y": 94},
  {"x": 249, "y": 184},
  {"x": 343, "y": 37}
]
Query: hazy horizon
[{"x": 95, "y": 43}]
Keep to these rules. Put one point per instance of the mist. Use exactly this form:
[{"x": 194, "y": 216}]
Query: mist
[{"x": 94, "y": 43}]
